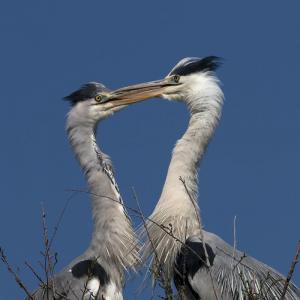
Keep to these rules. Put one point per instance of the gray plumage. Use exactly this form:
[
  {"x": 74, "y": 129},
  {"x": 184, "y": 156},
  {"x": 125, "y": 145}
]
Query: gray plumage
[
  {"x": 174, "y": 226},
  {"x": 99, "y": 272},
  {"x": 232, "y": 274}
]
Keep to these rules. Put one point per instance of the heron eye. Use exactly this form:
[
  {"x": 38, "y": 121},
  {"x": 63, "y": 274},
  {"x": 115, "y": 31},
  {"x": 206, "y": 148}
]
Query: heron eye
[
  {"x": 176, "y": 78},
  {"x": 98, "y": 97}
]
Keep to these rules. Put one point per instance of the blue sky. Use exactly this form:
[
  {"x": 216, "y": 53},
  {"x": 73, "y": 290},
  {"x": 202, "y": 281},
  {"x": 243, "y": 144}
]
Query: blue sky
[{"x": 251, "y": 168}]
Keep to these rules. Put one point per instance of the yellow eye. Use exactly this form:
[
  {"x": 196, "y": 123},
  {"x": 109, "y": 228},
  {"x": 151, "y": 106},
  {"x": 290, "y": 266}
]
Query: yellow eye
[
  {"x": 98, "y": 97},
  {"x": 176, "y": 78}
]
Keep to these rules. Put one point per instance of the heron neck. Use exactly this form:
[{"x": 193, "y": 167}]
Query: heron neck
[
  {"x": 112, "y": 233},
  {"x": 177, "y": 208},
  {"x": 181, "y": 185}
]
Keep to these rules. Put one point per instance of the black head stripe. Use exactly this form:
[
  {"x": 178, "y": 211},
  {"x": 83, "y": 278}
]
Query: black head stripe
[
  {"x": 87, "y": 91},
  {"x": 193, "y": 64}
]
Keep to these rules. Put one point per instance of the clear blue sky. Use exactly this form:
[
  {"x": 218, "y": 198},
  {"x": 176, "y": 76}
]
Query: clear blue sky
[{"x": 251, "y": 168}]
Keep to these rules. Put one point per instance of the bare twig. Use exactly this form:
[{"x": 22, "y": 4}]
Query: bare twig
[
  {"x": 239, "y": 261},
  {"x": 201, "y": 233},
  {"x": 166, "y": 286},
  {"x": 16, "y": 277},
  {"x": 198, "y": 217},
  {"x": 234, "y": 237},
  {"x": 291, "y": 271},
  {"x": 46, "y": 254},
  {"x": 192, "y": 200},
  {"x": 34, "y": 273},
  {"x": 183, "y": 289},
  {"x": 56, "y": 227}
]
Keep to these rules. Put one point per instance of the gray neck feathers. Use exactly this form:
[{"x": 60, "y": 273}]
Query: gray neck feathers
[
  {"x": 113, "y": 243},
  {"x": 178, "y": 202}
]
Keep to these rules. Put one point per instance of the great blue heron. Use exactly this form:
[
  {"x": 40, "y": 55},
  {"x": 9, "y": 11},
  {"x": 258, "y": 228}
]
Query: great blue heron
[
  {"x": 99, "y": 272},
  {"x": 202, "y": 265}
]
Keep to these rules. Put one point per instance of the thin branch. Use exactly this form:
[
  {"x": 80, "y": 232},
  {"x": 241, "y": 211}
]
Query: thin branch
[
  {"x": 167, "y": 289},
  {"x": 46, "y": 255},
  {"x": 291, "y": 271},
  {"x": 192, "y": 200},
  {"x": 235, "y": 246},
  {"x": 199, "y": 220},
  {"x": 34, "y": 273},
  {"x": 17, "y": 278},
  {"x": 201, "y": 234},
  {"x": 239, "y": 261},
  {"x": 234, "y": 236},
  {"x": 56, "y": 227}
]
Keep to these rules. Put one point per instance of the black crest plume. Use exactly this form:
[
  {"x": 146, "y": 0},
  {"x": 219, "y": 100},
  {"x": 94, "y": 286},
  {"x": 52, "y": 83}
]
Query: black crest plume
[
  {"x": 191, "y": 65},
  {"x": 87, "y": 91}
]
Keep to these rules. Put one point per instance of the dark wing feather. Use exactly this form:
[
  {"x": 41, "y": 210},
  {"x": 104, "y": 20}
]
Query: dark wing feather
[{"x": 232, "y": 275}]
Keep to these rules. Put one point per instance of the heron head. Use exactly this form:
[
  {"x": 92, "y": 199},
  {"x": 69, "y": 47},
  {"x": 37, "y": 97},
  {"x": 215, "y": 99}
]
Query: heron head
[
  {"x": 93, "y": 101},
  {"x": 192, "y": 75},
  {"x": 189, "y": 76}
]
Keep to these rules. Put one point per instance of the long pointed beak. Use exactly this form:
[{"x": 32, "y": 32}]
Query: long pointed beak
[{"x": 136, "y": 93}]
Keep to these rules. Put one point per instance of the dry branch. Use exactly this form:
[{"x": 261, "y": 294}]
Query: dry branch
[
  {"x": 291, "y": 271},
  {"x": 16, "y": 277}
]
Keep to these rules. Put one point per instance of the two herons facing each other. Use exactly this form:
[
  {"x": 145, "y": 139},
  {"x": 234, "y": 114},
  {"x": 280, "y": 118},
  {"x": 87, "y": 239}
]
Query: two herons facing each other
[{"x": 200, "y": 263}]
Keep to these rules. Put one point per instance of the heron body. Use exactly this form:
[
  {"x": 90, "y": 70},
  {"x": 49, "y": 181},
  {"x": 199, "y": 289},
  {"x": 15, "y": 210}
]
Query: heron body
[
  {"x": 174, "y": 227},
  {"x": 99, "y": 272}
]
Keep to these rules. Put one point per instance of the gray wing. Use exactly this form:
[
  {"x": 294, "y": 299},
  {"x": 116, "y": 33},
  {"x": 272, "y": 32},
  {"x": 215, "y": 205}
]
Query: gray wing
[
  {"x": 85, "y": 279},
  {"x": 232, "y": 274}
]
